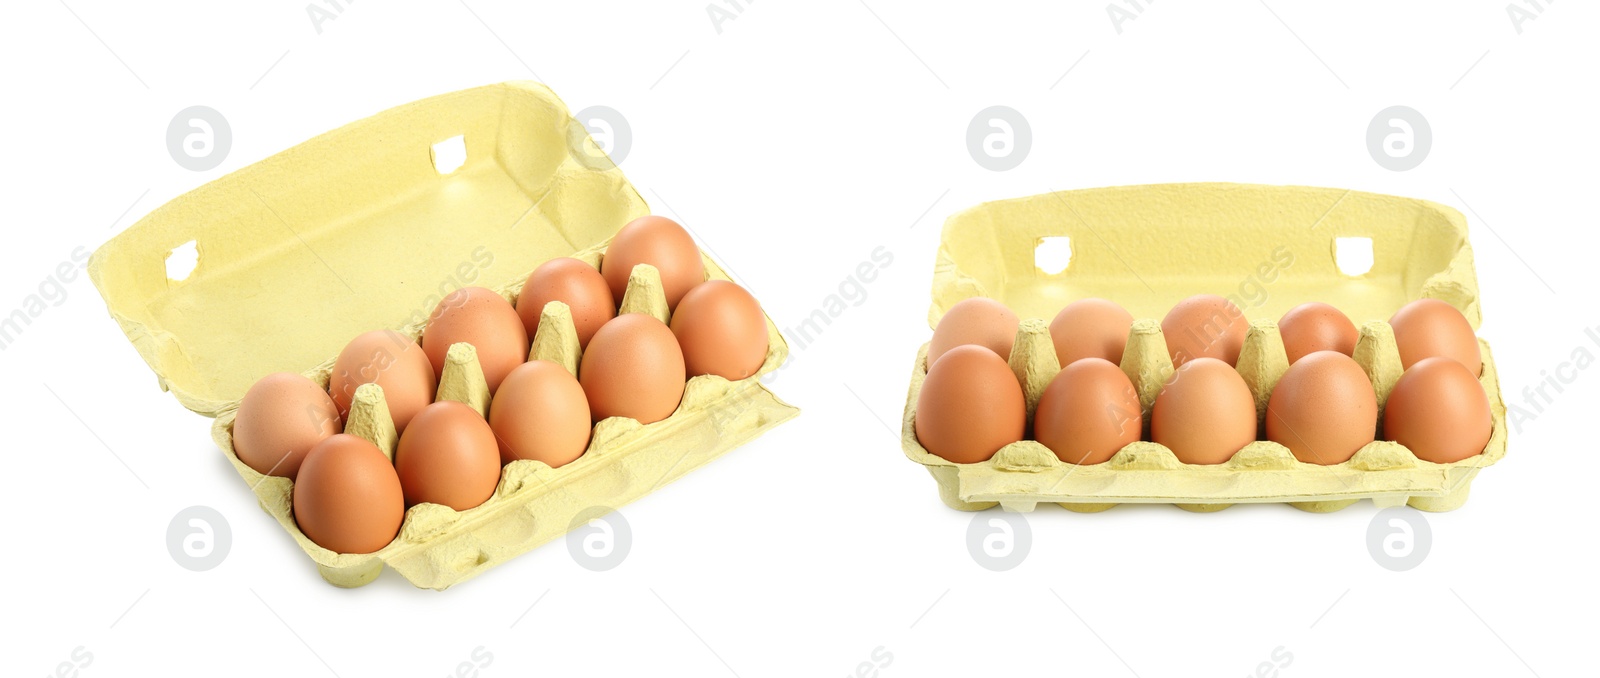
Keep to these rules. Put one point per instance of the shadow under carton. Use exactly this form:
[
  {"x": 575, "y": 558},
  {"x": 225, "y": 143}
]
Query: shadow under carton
[
  {"x": 360, "y": 229},
  {"x": 1266, "y": 248}
]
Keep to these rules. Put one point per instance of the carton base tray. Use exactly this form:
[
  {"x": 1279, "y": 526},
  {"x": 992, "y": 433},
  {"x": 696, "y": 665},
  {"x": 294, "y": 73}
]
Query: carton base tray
[
  {"x": 1025, "y": 473},
  {"x": 439, "y": 547}
]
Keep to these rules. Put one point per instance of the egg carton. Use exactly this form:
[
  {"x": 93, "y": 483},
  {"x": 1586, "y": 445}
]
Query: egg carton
[
  {"x": 366, "y": 227},
  {"x": 1148, "y": 247}
]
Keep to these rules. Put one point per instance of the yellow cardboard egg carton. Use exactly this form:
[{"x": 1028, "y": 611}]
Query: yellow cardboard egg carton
[
  {"x": 1266, "y": 248},
  {"x": 368, "y": 227}
]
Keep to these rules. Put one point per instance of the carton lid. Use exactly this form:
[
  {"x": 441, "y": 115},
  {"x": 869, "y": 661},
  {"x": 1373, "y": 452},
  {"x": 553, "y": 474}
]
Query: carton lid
[
  {"x": 362, "y": 228},
  {"x": 1267, "y": 248}
]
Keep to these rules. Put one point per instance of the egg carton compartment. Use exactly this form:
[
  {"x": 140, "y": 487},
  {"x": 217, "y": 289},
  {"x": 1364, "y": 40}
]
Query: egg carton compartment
[
  {"x": 367, "y": 227},
  {"x": 1174, "y": 241},
  {"x": 438, "y": 546}
]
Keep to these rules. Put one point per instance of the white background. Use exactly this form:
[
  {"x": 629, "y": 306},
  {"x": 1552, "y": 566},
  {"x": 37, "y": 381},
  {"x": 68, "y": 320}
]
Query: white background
[{"x": 793, "y": 139}]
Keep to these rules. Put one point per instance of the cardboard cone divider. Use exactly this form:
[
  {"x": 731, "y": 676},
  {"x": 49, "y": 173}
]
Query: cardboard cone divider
[
  {"x": 1033, "y": 360},
  {"x": 1379, "y": 356},
  {"x": 1025, "y": 473},
  {"x": 369, "y": 417},
  {"x": 1145, "y": 361},
  {"x": 556, "y": 338},
  {"x": 462, "y": 379},
  {"x": 645, "y": 294}
]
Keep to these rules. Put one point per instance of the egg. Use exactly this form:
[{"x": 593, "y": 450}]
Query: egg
[
  {"x": 477, "y": 316},
  {"x": 1088, "y": 412},
  {"x": 392, "y": 361},
  {"x": 280, "y": 419},
  {"x": 633, "y": 368},
  {"x": 1204, "y": 326},
  {"x": 1205, "y": 413},
  {"x": 540, "y": 413},
  {"x": 1439, "y": 411},
  {"x": 1090, "y": 328},
  {"x": 721, "y": 330},
  {"x": 979, "y": 321},
  {"x": 1426, "y": 328},
  {"x": 1316, "y": 326},
  {"x": 448, "y": 456},
  {"x": 574, "y": 283},
  {"x": 1323, "y": 409},
  {"x": 660, "y": 242},
  {"x": 347, "y": 497},
  {"x": 971, "y": 405}
]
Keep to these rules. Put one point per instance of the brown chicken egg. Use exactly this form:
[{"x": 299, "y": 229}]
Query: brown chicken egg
[
  {"x": 1090, "y": 328},
  {"x": 1439, "y": 411},
  {"x": 1088, "y": 412},
  {"x": 1316, "y": 326},
  {"x": 971, "y": 405},
  {"x": 721, "y": 330},
  {"x": 979, "y": 321},
  {"x": 347, "y": 497},
  {"x": 1323, "y": 409},
  {"x": 1204, "y": 326},
  {"x": 395, "y": 363},
  {"x": 540, "y": 413},
  {"x": 660, "y": 242},
  {"x": 633, "y": 368},
  {"x": 477, "y": 316},
  {"x": 448, "y": 456},
  {"x": 1428, "y": 327},
  {"x": 574, "y": 283},
  {"x": 1205, "y": 413},
  {"x": 279, "y": 420}
]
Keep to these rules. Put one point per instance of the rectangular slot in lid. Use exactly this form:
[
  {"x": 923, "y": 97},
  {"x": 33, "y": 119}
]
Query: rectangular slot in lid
[{"x": 355, "y": 230}]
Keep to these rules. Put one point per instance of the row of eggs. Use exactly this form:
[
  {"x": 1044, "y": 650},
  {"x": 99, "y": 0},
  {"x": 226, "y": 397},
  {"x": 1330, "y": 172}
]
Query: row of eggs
[
  {"x": 1324, "y": 409},
  {"x": 348, "y": 496}
]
